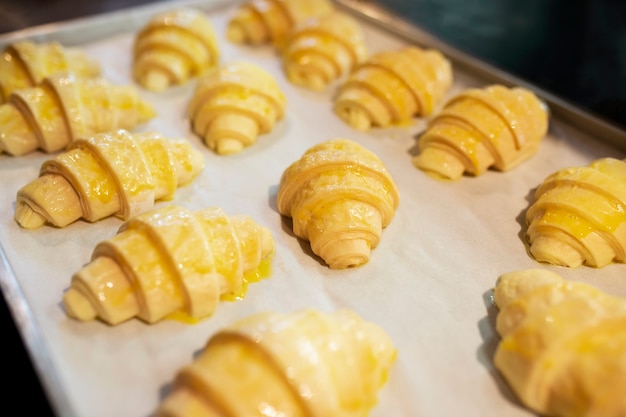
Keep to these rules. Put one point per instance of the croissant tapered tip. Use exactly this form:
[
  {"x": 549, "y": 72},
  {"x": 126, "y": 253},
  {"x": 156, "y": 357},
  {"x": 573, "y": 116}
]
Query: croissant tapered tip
[
  {"x": 27, "y": 217},
  {"x": 342, "y": 254},
  {"x": 156, "y": 81},
  {"x": 439, "y": 164},
  {"x": 550, "y": 250},
  {"x": 235, "y": 32},
  {"x": 77, "y": 306},
  {"x": 512, "y": 285},
  {"x": 354, "y": 116}
]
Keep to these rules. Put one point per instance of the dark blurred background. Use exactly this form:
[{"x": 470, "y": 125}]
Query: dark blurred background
[{"x": 574, "y": 49}]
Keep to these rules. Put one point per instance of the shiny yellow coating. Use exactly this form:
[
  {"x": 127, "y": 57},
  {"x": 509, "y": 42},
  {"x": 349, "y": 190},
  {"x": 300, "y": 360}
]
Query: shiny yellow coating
[
  {"x": 306, "y": 363},
  {"x": 258, "y": 22},
  {"x": 578, "y": 215},
  {"x": 494, "y": 127},
  {"x": 170, "y": 262},
  {"x": 173, "y": 48},
  {"x": 340, "y": 196},
  {"x": 26, "y": 63},
  {"x": 392, "y": 87},
  {"x": 563, "y": 345},
  {"x": 115, "y": 173}
]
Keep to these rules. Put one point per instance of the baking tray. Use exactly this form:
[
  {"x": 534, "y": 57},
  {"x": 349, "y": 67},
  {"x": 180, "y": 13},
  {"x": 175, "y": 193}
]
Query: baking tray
[{"x": 427, "y": 283}]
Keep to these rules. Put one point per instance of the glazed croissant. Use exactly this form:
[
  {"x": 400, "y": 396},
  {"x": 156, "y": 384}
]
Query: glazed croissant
[
  {"x": 234, "y": 104},
  {"x": 114, "y": 173},
  {"x": 578, "y": 216},
  {"x": 174, "y": 47},
  {"x": 304, "y": 363},
  {"x": 340, "y": 196},
  {"x": 259, "y": 22},
  {"x": 563, "y": 346},
  {"x": 321, "y": 50},
  {"x": 170, "y": 260},
  {"x": 494, "y": 127},
  {"x": 392, "y": 87},
  {"x": 26, "y": 63},
  {"x": 63, "y": 108}
]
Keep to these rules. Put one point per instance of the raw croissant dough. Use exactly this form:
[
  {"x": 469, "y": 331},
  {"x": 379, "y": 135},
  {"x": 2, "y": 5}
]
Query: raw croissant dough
[
  {"x": 234, "y": 104},
  {"x": 563, "y": 346},
  {"x": 170, "y": 260},
  {"x": 114, "y": 173},
  {"x": 494, "y": 127},
  {"x": 339, "y": 196},
  {"x": 26, "y": 63},
  {"x": 174, "y": 47},
  {"x": 392, "y": 87},
  {"x": 63, "y": 108},
  {"x": 259, "y": 22},
  {"x": 301, "y": 364},
  {"x": 578, "y": 216},
  {"x": 323, "y": 49}
]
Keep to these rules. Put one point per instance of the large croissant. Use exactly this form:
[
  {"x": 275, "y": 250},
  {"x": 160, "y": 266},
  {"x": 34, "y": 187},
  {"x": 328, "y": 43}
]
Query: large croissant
[
  {"x": 563, "y": 346},
  {"x": 494, "y": 127},
  {"x": 113, "y": 173},
  {"x": 579, "y": 215},
  {"x": 63, "y": 108},
  {"x": 234, "y": 104},
  {"x": 174, "y": 47},
  {"x": 170, "y": 260},
  {"x": 26, "y": 63},
  {"x": 321, "y": 50},
  {"x": 259, "y": 22},
  {"x": 339, "y": 196},
  {"x": 392, "y": 87},
  {"x": 301, "y": 364}
]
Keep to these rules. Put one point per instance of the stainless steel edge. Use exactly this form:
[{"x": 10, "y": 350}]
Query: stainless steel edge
[
  {"x": 31, "y": 336},
  {"x": 595, "y": 126}
]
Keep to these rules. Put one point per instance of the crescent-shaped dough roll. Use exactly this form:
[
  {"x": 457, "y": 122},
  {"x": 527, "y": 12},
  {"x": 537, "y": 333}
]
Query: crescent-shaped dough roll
[
  {"x": 170, "y": 260},
  {"x": 306, "y": 363},
  {"x": 114, "y": 173},
  {"x": 578, "y": 216},
  {"x": 339, "y": 196},
  {"x": 234, "y": 104},
  {"x": 63, "y": 108},
  {"x": 393, "y": 87},
  {"x": 258, "y": 22},
  {"x": 26, "y": 63},
  {"x": 320, "y": 50},
  {"x": 563, "y": 344},
  {"x": 493, "y": 127},
  {"x": 174, "y": 47}
]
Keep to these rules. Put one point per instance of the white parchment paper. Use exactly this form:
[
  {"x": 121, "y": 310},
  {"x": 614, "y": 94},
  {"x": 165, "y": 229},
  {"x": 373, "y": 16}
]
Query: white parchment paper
[{"x": 427, "y": 284}]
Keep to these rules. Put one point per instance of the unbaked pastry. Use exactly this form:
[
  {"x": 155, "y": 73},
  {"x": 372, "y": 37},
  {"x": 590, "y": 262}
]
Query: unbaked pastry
[
  {"x": 492, "y": 127},
  {"x": 26, "y": 63},
  {"x": 302, "y": 364},
  {"x": 392, "y": 87},
  {"x": 259, "y": 22},
  {"x": 114, "y": 173},
  {"x": 321, "y": 50},
  {"x": 339, "y": 196},
  {"x": 170, "y": 260},
  {"x": 174, "y": 47},
  {"x": 578, "y": 216},
  {"x": 62, "y": 108},
  {"x": 563, "y": 346},
  {"x": 234, "y": 104}
]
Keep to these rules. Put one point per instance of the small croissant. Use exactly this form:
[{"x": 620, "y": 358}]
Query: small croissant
[
  {"x": 578, "y": 216},
  {"x": 339, "y": 196},
  {"x": 258, "y": 22},
  {"x": 323, "y": 49},
  {"x": 299, "y": 364},
  {"x": 563, "y": 344},
  {"x": 493, "y": 127},
  {"x": 62, "y": 108},
  {"x": 114, "y": 173},
  {"x": 26, "y": 63},
  {"x": 170, "y": 260},
  {"x": 234, "y": 104},
  {"x": 393, "y": 87},
  {"x": 174, "y": 47}
]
